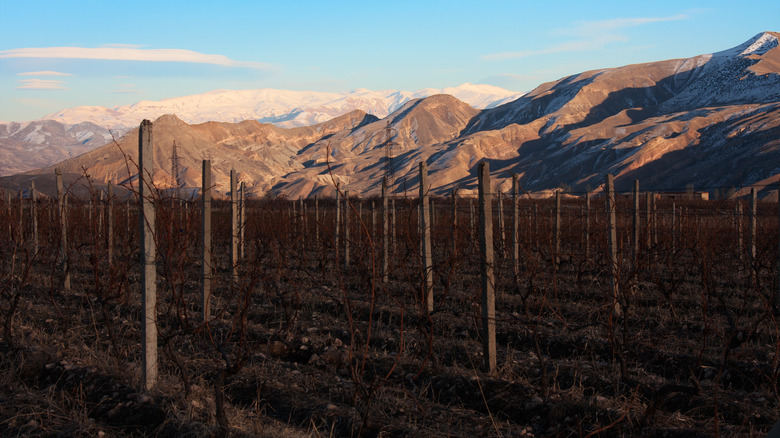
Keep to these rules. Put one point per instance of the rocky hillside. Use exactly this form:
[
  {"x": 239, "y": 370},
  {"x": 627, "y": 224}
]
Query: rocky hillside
[{"x": 712, "y": 121}]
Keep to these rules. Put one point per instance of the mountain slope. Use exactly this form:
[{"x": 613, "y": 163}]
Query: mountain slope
[
  {"x": 74, "y": 131},
  {"x": 712, "y": 121}
]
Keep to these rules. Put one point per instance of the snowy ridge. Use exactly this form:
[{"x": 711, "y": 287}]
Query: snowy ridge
[
  {"x": 283, "y": 108},
  {"x": 758, "y": 45}
]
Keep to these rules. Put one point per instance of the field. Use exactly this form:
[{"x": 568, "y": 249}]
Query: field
[{"x": 303, "y": 343}]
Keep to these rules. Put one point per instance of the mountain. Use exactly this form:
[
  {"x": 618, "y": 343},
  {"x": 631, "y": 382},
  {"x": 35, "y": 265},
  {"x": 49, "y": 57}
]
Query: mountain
[
  {"x": 283, "y": 108},
  {"x": 30, "y": 145},
  {"x": 712, "y": 121}
]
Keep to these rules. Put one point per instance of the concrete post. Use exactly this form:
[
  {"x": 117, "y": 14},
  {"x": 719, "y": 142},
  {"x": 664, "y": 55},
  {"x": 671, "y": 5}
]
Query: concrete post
[
  {"x": 317, "y": 219},
  {"x": 392, "y": 224},
  {"x": 501, "y": 228},
  {"x": 234, "y": 233},
  {"x": 471, "y": 219},
  {"x": 385, "y": 232},
  {"x": 242, "y": 221},
  {"x": 21, "y": 217},
  {"x": 648, "y": 221},
  {"x": 488, "y": 302},
  {"x": 587, "y": 225},
  {"x": 63, "y": 209},
  {"x": 101, "y": 212},
  {"x": 425, "y": 237},
  {"x": 515, "y": 227},
  {"x": 454, "y": 222},
  {"x": 34, "y": 216},
  {"x": 148, "y": 252},
  {"x": 635, "y": 230},
  {"x": 337, "y": 243},
  {"x": 738, "y": 226},
  {"x": 752, "y": 230},
  {"x": 205, "y": 249},
  {"x": 674, "y": 228},
  {"x": 612, "y": 259},
  {"x": 347, "y": 208},
  {"x": 557, "y": 236},
  {"x": 110, "y": 224}
]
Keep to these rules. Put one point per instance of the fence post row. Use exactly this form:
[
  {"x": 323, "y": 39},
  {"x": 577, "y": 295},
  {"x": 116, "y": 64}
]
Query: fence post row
[
  {"x": 488, "y": 303},
  {"x": 148, "y": 248}
]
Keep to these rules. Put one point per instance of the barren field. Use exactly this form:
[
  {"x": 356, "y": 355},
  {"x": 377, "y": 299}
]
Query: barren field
[{"x": 304, "y": 345}]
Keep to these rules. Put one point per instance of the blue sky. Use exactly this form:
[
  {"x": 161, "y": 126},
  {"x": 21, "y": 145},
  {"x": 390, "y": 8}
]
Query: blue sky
[{"x": 56, "y": 55}]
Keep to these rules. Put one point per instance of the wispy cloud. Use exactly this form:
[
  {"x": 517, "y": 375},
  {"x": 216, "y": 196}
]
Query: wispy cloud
[
  {"x": 41, "y": 84},
  {"x": 43, "y": 73},
  {"x": 587, "y": 36},
  {"x": 125, "y": 53}
]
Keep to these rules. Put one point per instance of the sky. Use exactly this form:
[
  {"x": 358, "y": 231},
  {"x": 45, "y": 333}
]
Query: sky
[{"x": 56, "y": 55}]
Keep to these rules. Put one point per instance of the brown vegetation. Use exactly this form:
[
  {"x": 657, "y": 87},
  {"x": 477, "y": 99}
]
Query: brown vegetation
[{"x": 302, "y": 345}]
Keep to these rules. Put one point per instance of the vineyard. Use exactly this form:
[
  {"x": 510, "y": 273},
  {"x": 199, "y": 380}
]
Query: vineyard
[{"x": 330, "y": 317}]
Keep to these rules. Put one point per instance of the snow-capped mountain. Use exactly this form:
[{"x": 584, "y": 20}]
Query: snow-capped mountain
[
  {"x": 282, "y": 108},
  {"x": 74, "y": 131},
  {"x": 30, "y": 145},
  {"x": 712, "y": 121}
]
